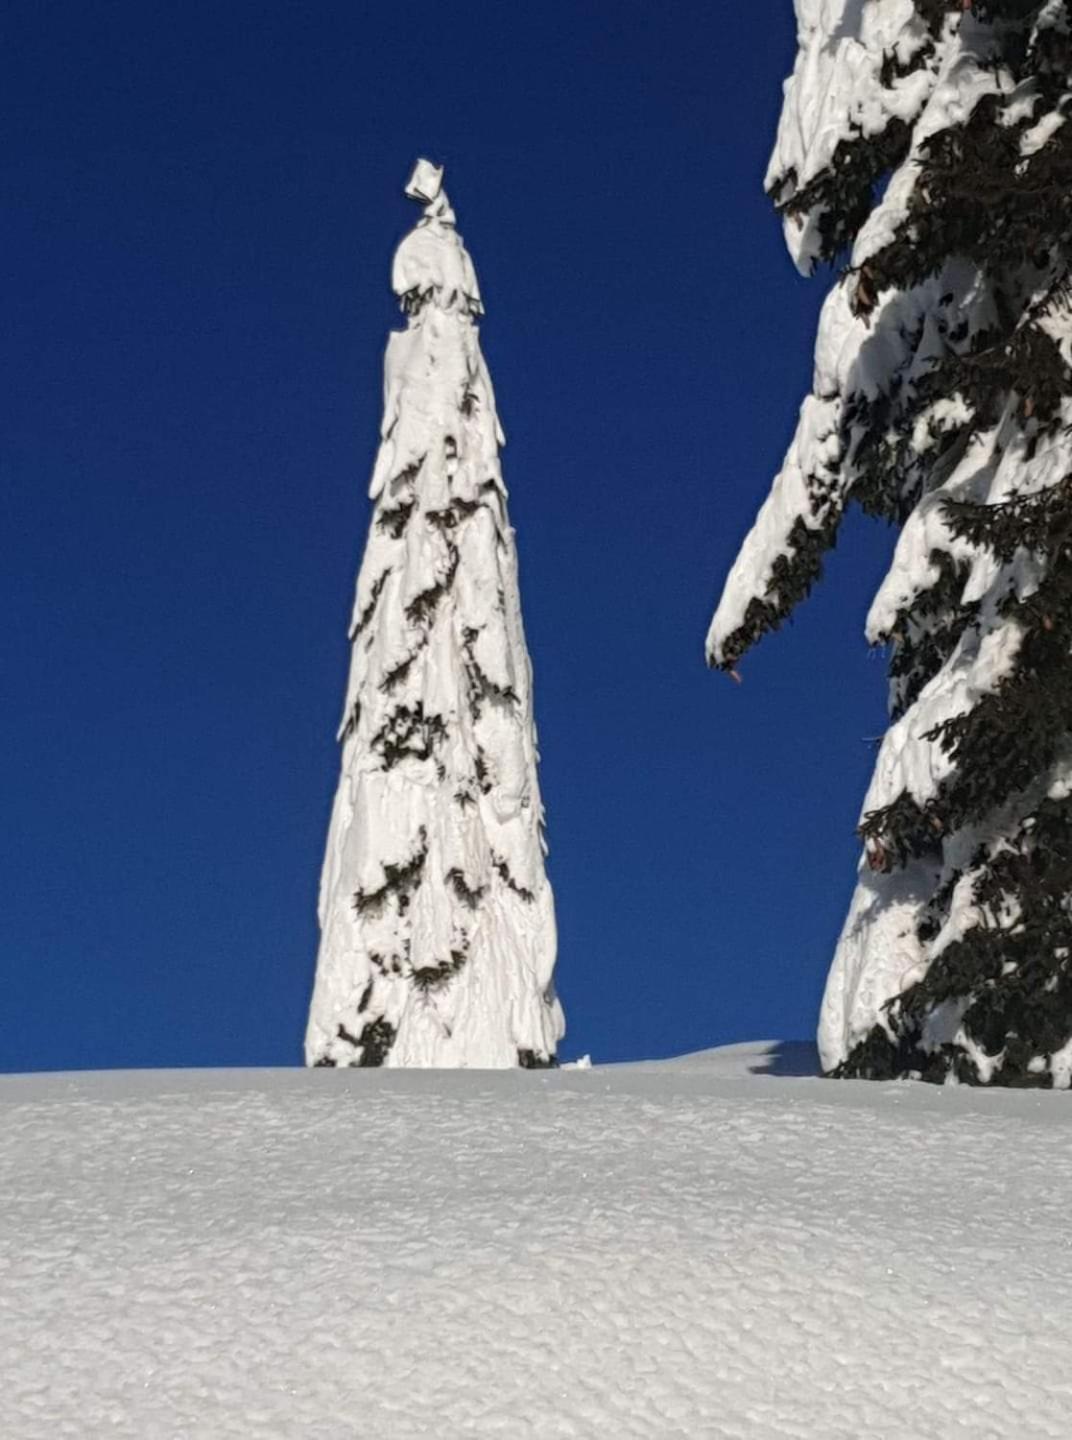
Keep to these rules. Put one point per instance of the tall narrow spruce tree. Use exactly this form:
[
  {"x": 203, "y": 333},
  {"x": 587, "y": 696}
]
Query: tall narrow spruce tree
[
  {"x": 931, "y": 142},
  {"x": 437, "y": 920}
]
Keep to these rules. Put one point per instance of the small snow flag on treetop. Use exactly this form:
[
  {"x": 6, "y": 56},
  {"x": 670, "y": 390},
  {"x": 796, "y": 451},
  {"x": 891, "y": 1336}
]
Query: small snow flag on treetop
[{"x": 437, "y": 920}]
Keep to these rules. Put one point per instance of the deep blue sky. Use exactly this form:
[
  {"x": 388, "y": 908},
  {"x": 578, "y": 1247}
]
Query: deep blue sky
[{"x": 200, "y": 204}]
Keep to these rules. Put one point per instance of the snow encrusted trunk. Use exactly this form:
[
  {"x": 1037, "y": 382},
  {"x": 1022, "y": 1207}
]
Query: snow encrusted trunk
[
  {"x": 941, "y": 401},
  {"x": 437, "y": 920}
]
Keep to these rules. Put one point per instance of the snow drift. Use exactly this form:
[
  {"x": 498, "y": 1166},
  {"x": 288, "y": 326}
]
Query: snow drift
[{"x": 710, "y": 1247}]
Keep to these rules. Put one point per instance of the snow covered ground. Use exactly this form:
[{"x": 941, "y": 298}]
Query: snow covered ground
[{"x": 717, "y": 1246}]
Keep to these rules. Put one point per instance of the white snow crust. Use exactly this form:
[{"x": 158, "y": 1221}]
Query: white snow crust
[{"x": 697, "y": 1248}]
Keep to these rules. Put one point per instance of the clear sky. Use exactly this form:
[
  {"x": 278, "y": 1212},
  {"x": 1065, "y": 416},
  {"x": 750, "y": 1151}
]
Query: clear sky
[{"x": 200, "y": 204}]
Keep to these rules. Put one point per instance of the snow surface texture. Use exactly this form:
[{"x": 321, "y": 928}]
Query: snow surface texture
[
  {"x": 685, "y": 1249},
  {"x": 437, "y": 920},
  {"x": 846, "y": 86}
]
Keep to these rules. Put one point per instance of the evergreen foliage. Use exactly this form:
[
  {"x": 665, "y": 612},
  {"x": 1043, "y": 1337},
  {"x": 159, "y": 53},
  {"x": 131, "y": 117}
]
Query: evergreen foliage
[
  {"x": 437, "y": 920},
  {"x": 928, "y": 146}
]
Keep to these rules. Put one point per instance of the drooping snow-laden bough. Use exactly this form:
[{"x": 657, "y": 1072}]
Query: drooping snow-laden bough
[
  {"x": 927, "y": 148},
  {"x": 437, "y": 920}
]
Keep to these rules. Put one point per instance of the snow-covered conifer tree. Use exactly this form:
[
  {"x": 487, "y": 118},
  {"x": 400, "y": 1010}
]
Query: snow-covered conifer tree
[
  {"x": 437, "y": 920},
  {"x": 931, "y": 142}
]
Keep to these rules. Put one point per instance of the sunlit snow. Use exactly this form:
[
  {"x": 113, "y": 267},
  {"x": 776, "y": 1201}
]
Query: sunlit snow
[
  {"x": 861, "y": 66},
  {"x": 438, "y": 935},
  {"x": 716, "y": 1246}
]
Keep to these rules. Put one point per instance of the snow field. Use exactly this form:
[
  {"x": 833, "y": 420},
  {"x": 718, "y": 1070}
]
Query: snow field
[{"x": 682, "y": 1249}]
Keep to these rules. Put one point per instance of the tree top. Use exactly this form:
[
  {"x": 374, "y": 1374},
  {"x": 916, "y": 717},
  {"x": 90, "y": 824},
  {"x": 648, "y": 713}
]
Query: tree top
[{"x": 432, "y": 263}]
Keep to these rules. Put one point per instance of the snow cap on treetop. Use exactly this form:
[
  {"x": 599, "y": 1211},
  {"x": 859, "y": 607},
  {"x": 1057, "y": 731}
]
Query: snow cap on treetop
[
  {"x": 432, "y": 259},
  {"x": 426, "y": 182}
]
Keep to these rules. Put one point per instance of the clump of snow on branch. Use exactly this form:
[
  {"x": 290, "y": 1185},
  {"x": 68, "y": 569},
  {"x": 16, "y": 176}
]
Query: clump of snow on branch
[{"x": 836, "y": 93}]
